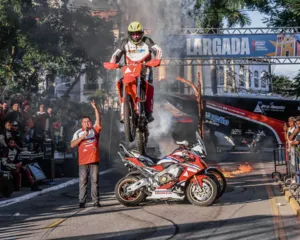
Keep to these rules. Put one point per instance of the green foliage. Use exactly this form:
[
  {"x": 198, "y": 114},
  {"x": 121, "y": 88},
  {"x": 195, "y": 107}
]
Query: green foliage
[
  {"x": 281, "y": 13},
  {"x": 64, "y": 41},
  {"x": 281, "y": 82},
  {"x": 212, "y": 14},
  {"x": 296, "y": 85}
]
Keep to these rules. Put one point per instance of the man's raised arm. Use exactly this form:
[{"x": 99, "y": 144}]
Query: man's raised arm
[{"x": 97, "y": 114}]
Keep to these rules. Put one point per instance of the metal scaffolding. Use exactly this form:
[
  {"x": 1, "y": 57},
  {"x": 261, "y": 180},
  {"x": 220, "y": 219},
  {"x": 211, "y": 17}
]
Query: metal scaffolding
[
  {"x": 232, "y": 61},
  {"x": 235, "y": 31}
]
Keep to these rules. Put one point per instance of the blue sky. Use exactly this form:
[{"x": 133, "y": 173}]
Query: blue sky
[{"x": 288, "y": 70}]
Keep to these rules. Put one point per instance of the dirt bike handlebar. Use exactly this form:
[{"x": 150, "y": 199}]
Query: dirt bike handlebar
[{"x": 151, "y": 63}]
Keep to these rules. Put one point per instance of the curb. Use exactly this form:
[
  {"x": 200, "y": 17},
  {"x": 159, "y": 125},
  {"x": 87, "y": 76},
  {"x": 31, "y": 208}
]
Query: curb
[
  {"x": 44, "y": 191},
  {"x": 290, "y": 198}
]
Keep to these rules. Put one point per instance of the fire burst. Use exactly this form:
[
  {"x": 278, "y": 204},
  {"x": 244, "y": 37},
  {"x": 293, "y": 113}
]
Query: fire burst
[{"x": 243, "y": 168}]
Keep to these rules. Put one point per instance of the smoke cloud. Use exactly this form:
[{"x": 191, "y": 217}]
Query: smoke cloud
[
  {"x": 157, "y": 15},
  {"x": 161, "y": 131}
]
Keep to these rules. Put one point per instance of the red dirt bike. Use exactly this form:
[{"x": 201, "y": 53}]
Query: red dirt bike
[
  {"x": 134, "y": 98},
  {"x": 173, "y": 177}
]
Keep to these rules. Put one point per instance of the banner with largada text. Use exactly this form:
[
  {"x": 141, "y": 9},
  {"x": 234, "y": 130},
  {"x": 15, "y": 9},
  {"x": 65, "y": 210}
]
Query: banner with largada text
[{"x": 233, "y": 46}]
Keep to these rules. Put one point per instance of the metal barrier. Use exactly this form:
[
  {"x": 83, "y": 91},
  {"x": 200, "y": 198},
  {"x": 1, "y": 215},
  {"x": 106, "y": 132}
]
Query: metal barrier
[{"x": 280, "y": 159}]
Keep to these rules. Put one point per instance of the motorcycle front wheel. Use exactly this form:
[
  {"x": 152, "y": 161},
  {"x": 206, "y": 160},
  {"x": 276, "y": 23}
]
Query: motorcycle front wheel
[
  {"x": 132, "y": 199},
  {"x": 141, "y": 141},
  {"x": 204, "y": 196}
]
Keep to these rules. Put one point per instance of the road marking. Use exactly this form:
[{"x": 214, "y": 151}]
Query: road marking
[
  {"x": 54, "y": 224},
  {"x": 46, "y": 190},
  {"x": 277, "y": 219}
]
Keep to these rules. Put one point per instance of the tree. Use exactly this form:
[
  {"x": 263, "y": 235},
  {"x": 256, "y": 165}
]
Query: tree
[
  {"x": 296, "y": 85},
  {"x": 282, "y": 13},
  {"x": 281, "y": 84},
  {"x": 64, "y": 41}
]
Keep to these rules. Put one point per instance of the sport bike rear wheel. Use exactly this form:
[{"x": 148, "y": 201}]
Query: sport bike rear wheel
[
  {"x": 221, "y": 179},
  {"x": 129, "y": 118},
  {"x": 132, "y": 199}
]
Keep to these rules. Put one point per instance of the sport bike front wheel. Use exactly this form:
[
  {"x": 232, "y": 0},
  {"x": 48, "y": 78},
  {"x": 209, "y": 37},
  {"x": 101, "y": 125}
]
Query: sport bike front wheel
[{"x": 204, "y": 196}]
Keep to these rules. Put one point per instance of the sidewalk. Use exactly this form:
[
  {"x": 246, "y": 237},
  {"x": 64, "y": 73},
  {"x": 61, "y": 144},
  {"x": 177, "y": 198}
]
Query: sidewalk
[
  {"x": 25, "y": 193},
  {"x": 46, "y": 186}
]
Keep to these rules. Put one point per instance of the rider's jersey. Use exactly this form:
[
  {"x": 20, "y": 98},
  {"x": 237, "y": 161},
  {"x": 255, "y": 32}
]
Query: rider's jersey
[{"x": 136, "y": 53}]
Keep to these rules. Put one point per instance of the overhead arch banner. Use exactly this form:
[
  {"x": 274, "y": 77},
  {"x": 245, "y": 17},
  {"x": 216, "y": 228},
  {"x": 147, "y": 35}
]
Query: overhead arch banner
[{"x": 232, "y": 46}]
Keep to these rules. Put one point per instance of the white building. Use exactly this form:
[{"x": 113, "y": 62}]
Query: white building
[{"x": 229, "y": 78}]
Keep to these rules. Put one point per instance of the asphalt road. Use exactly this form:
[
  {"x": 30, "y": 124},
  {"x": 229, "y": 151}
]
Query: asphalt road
[{"x": 252, "y": 208}]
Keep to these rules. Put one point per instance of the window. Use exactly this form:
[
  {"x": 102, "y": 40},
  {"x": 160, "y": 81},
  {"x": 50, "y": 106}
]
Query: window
[
  {"x": 264, "y": 82},
  {"x": 242, "y": 76},
  {"x": 229, "y": 78},
  {"x": 221, "y": 76},
  {"x": 250, "y": 78},
  {"x": 256, "y": 81}
]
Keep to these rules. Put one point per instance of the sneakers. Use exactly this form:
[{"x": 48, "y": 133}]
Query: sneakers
[
  {"x": 97, "y": 204},
  {"x": 82, "y": 205}
]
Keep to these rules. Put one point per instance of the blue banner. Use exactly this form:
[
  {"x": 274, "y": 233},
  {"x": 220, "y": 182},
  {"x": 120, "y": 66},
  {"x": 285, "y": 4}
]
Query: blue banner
[{"x": 232, "y": 46}]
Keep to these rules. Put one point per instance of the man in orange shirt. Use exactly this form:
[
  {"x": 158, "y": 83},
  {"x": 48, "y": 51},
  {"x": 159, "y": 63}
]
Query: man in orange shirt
[{"x": 87, "y": 140}]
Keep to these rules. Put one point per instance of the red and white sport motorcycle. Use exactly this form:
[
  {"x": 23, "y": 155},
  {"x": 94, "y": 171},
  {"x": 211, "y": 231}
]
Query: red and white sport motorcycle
[{"x": 177, "y": 176}]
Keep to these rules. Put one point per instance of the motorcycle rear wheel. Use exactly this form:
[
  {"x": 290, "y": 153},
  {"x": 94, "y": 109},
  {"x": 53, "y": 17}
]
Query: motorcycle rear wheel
[
  {"x": 205, "y": 197},
  {"x": 221, "y": 179},
  {"x": 128, "y": 200},
  {"x": 129, "y": 118}
]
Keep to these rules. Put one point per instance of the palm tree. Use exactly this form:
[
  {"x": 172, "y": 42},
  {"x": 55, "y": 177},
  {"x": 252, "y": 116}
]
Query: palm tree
[{"x": 214, "y": 14}]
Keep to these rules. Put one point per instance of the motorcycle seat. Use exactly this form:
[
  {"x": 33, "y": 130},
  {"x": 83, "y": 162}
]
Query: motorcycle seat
[{"x": 148, "y": 160}]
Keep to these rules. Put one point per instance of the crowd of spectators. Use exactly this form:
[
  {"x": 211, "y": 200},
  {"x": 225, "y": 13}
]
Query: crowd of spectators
[
  {"x": 292, "y": 137},
  {"x": 26, "y": 123}
]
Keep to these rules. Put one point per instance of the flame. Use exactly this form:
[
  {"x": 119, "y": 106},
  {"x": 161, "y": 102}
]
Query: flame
[{"x": 243, "y": 168}]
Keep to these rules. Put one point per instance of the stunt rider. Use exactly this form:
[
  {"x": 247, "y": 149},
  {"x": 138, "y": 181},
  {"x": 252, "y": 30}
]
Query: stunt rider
[{"x": 137, "y": 48}]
